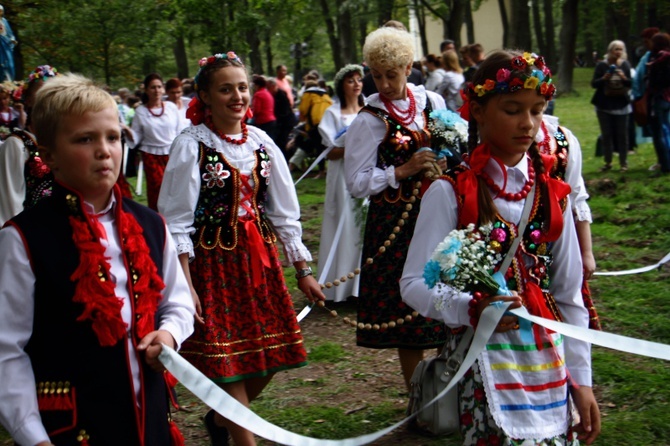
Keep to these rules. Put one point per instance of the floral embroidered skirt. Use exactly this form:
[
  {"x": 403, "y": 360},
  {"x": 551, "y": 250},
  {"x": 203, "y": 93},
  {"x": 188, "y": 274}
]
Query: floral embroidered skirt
[
  {"x": 379, "y": 300},
  {"x": 250, "y": 331}
]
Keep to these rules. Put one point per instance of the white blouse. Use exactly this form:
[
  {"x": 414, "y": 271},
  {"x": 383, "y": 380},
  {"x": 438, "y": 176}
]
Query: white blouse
[
  {"x": 181, "y": 187},
  {"x": 367, "y": 132},
  {"x": 18, "y": 398},
  {"x": 332, "y": 123},
  {"x": 573, "y": 172},
  {"x": 154, "y": 134},
  {"x": 13, "y": 157},
  {"x": 439, "y": 215}
]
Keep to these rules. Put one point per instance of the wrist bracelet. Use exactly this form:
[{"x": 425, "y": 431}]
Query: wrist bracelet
[{"x": 303, "y": 272}]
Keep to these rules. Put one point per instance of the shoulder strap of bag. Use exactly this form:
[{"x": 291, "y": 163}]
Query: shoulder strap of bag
[
  {"x": 521, "y": 227},
  {"x": 454, "y": 360}
]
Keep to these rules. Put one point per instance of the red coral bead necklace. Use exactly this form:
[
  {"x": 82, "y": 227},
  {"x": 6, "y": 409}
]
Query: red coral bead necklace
[
  {"x": 523, "y": 193},
  {"x": 245, "y": 132},
  {"x": 404, "y": 117}
]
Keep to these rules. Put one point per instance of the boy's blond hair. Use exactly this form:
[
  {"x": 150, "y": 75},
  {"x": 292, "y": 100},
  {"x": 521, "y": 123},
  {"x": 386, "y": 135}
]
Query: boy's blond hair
[
  {"x": 67, "y": 94},
  {"x": 389, "y": 47}
]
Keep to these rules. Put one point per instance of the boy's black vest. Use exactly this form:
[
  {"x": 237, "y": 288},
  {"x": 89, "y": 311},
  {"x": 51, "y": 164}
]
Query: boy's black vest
[{"x": 88, "y": 388}]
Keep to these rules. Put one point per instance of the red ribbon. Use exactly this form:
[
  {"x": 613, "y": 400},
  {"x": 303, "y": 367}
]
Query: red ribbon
[
  {"x": 557, "y": 191},
  {"x": 464, "y": 110},
  {"x": 469, "y": 186},
  {"x": 257, "y": 252}
]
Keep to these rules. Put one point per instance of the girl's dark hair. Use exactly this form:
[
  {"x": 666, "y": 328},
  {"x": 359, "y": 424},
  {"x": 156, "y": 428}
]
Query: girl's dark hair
[
  {"x": 147, "y": 80},
  {"x": 259, "y": 80},
  {"x": 204, "y": 77},
  {"x": 435, "y": 60},
  {"x": 660, "y": 42},
  {"x": 173, "y": 83},
  {"x": 488, "y": 69},
  {"x": 339, "y": 91}
]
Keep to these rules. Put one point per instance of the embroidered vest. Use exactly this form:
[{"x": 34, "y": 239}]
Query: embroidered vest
[
  {"x": 37, "y": 175},
  {"x": 81, "y": 385},
  {"x": 533, "y": 259},
  {"x": 397, "y": 147},
  {"x": 217, "y": 210},
  {"x": 561, "y": 151}
]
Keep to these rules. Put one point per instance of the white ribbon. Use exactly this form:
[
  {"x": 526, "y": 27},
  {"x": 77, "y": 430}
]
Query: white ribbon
[
  {"x": 227, "y": 406},
  {"x": 644, "y": 269},
  {"x": 326, "y": 267},
  {"x": 318, "y": 159}
]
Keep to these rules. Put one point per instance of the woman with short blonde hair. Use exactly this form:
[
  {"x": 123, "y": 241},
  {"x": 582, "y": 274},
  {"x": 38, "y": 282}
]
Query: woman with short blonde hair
[{"x": 383, "y": 160}]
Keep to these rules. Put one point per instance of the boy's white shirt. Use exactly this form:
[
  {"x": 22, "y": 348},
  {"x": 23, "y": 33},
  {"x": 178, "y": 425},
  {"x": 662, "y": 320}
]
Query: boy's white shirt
[{"x": 18, "y": 399}]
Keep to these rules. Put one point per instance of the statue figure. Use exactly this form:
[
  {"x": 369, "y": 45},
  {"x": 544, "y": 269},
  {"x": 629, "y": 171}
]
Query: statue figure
[{"x": 7, "y": 43}]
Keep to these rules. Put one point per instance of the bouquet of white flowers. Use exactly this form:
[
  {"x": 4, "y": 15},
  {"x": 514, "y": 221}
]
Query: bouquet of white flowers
[
  {"x": 448, "y": 131},
  {"x": 465, "y": 259}
]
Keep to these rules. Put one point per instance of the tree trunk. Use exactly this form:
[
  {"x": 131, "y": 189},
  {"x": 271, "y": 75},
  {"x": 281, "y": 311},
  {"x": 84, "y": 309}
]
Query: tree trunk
[
  {"x": 420, "y": 14},
  {"x": 456, "y": 17},
  {"x": 568, "y": 37},
  {"x": 470, "y": 24},
  {"x": 550, "y": 33},
  {"x": 180, "y": 57},
  {"x": 255, "y": 51},
  {"x": 332, "y": 36},
  {"x": 363, "y": 25},
  {"x": 346, "y": 38},
  {"x": 505, "y": 23},
  {"x": 637, "y": 26},
  {"x": 268, "y": 52},
  {"x": 520, "y": 26},
  {"x": 537, "y": 25},
  {"x": 384, "y": 11}
]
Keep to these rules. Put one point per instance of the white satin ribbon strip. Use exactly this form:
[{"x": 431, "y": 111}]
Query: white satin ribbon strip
[
  {"x": 326, "y": 267},
  {"x": 212, "y": 395},
  {"x": 305, "y": 311},
  {"x": 217, "y": 399},
  {"x": 644, "y": 269},
  {"x": 601, "y": 338},
  {"x": 318, "y": 159}
]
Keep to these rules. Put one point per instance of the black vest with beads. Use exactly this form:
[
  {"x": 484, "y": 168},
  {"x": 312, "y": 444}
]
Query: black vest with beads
[{"x": 85, "y": 390}]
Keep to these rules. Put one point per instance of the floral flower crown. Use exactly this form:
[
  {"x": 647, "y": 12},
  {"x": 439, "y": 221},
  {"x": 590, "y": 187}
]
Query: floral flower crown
[
  {"x": 42, "y": 72},
  {"x": 346, "y": 71},
  {"x": 230, "y": 55},
  {"x": 509, "y": 81}
]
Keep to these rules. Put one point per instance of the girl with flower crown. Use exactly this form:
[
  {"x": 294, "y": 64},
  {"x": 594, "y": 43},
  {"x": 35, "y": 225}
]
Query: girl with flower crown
[
  {"x": 339, "y": 208},
  {"x": 385, "y": 161},
  {"x": 24, "y": 177},
  {"x": 528, "y": 386},
  {"x": 227, "y": 195}
]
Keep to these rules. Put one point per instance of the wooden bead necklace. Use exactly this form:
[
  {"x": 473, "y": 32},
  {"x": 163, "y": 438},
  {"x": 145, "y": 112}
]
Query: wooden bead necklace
[
  {"x": 404, "y": 117},
  {"x": 369, "y": 261},
  {"x": 157, "y": 115},
  {"x": 245, "y": 132},
  {"x": 523, "y": 193}
]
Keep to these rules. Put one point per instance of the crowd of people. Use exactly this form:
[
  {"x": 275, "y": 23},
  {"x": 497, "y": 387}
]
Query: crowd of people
[
  {"x": 92, "y": 284},
  {"x": 627, "y": 97}
]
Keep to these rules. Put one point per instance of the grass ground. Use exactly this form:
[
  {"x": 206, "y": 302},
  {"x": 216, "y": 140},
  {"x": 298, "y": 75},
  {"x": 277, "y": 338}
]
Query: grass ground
[{"x": 348, "y": 391}]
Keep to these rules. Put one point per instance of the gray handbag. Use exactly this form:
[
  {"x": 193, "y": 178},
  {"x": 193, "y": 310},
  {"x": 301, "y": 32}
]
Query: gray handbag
[{"x": 430, "y": 377}]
